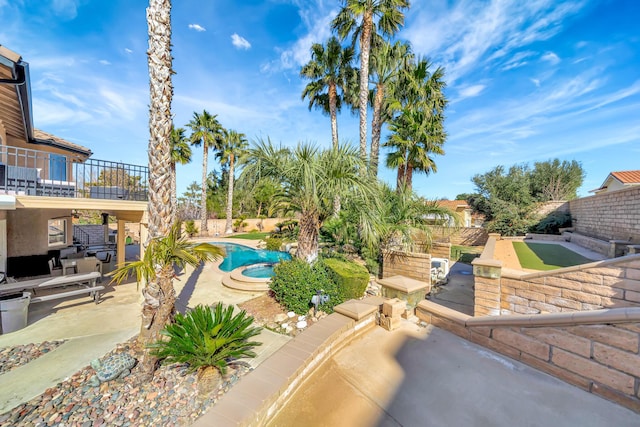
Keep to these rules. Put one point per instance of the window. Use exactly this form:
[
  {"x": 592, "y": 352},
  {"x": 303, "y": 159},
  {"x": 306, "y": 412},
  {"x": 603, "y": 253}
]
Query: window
[
  {"x": 57, "y": 167},
  {"x": 57, "y": 232}
]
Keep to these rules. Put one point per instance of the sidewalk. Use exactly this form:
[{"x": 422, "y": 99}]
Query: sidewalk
[{"x": 428, "y": 377}]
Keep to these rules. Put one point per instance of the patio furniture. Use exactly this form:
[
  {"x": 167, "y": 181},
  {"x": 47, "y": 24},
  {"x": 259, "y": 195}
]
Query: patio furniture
[
  {"x": 21, "y": 179},
  {"x": 81, "y": 265},
  {"x": 86, "y": 282}
]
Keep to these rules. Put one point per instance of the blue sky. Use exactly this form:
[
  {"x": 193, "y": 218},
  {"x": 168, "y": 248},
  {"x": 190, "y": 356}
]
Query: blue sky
[{"x": 527, "y": 80}]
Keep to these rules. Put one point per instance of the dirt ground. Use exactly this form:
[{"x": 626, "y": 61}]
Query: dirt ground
[
  {"x": 505, "y": 253},
  {"x": 263, "y": 308}
]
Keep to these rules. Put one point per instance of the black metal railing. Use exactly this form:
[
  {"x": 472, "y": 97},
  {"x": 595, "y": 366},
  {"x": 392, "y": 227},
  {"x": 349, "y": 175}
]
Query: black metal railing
[
  {"x": 80, "y": 236},
  {"x": 33, "y": 172}
]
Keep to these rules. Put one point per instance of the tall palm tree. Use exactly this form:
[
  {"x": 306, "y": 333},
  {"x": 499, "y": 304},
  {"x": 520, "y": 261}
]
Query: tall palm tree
[
  {"x": 205, "y": 131},
  {"x": 418, "y": 131},
  {"x": 180, "y": 153},
  {"x": 329, "y": 71},
  {"x": 310, "y": 179},
  {"x": 363, "y": 19},
  {"x": 233, "y": 147},
  {"x": 159, "y": 295},
  {"x": 387, "y": 63}
]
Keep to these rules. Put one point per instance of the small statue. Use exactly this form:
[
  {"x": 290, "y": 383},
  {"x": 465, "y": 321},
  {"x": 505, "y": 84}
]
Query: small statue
[{"x": 116, "y": 366}]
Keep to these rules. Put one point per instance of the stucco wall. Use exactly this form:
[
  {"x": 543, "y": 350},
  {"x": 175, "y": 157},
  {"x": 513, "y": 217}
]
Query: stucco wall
[
  {"x": 27, "y": 231},
  {"x": 609, "y": 216},
  {"x": 466, "y": 236}
]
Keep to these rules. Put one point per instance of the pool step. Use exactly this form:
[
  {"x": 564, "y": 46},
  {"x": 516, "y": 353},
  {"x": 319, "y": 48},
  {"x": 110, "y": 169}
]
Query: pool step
[{"x": 235, "y": 280}]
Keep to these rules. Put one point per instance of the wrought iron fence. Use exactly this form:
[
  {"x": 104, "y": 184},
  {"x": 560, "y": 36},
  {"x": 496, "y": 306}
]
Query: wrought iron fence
[{"x": 41, "y": 173}]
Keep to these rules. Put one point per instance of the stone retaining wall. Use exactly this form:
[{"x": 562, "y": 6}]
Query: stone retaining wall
[
  {"x": 603, "y": 359},
  {"x": 409, "y": 264},
  {"x": 609, "y": 216},
  {"x": 465, "y": 236}
]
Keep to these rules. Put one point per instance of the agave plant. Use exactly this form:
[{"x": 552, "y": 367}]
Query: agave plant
[{"x": 207, "y": 338}]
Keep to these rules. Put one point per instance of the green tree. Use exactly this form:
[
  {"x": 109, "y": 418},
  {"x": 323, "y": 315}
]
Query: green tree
[
  {"x": 234, "y": 146},
  {"x": 387, "y": 63},
  {"x": 205, "y": 131},
  {"x": 365, "y": 19},
  {"x": 329, "y": 72},
  {"x": 417, "y": 132},
  {"x": 180, "y": 153},
  {"x": 310, "y": 179},
  {"x": 555, "y": 180}
]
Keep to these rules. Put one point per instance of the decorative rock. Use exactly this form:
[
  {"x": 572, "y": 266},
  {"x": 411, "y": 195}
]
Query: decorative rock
[
  {"x": 301, "y": 324},
  {"x": 280, "y": 318},
  {"x": 291, "y": 314},
  {"x": 116, "y": 366},
  {"x": 301, "y": 318}
]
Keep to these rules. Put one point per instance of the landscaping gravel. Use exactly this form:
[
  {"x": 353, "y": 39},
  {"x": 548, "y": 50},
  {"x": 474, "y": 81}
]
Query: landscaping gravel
[{"x": 14, "y": 357}]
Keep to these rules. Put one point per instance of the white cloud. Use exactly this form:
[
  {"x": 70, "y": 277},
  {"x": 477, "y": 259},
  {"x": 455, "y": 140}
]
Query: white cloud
[
  {"x": 67, "y": 9},
  {"x": 535, "y": 82},
  {"x": 550, "y": 57},
  {"x": 127, "y": 50},
  {"x": 472, "y": 34},
  {"x": 471, "y": 91},
  {"x": 197, "y": 27},
  {"x": 104, "y": 62},
  {"x": 240, "y": 42}
]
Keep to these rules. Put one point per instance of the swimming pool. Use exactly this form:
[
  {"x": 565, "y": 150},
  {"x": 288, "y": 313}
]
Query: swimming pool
[
  {"x": 241, "y": 255},
  {"x": 259, "y": 271}
]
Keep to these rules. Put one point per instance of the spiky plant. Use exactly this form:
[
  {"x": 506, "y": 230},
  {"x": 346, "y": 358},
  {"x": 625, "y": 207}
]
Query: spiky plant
[{"x": 207, "y": 337}]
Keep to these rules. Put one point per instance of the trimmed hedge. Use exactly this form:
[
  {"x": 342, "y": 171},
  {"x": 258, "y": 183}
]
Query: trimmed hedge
[
  {"x": 295, "y": 282},
  {"x": 352, "y": 279},
  {"x": 273, "y": 243}
]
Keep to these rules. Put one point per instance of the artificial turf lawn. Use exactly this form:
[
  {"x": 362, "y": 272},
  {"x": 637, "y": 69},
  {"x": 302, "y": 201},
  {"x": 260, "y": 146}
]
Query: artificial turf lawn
[{"x": 543, "y": 256}]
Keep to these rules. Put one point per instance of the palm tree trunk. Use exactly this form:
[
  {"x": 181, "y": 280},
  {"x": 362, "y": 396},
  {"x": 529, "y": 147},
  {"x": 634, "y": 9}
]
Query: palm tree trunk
[
  {"x": 229, "y": 225},
  {"x": 333, "y": 94},
  {"x": 174, "y": 194},
  {"x": 400, "y": 178},
  {"x": 204, "y": 228},
  {"x": 408, "y": 179},
  {"x": 308, "y": 236},
  {"x": 365, "y": 45},
  {"x": 376, "y": 128},
  {"x": 158, "y": 296}
]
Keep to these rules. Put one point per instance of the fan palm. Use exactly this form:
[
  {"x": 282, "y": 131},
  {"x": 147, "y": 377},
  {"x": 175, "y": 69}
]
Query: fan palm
[
  {"x": 329, "y": 71},
  {"x": 387, "y": 63},
  {"x": 363, "y": 19},
  {"x": 233, "y": 147},
  {"x": 311, "y": 178},
  {"x": 205, "y": 131},
  {"x": 156, "y": 308},
  {"x": 180, "y": 153}
]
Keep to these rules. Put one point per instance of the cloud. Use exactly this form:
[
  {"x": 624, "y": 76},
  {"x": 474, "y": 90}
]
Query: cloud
[
  {"x": 473, "y": 34},
  {"x": 199, "y": 28},
  {"x": 535, "y": 82},
  {"x": 518, "y": 60},
  {"x": 471, "y": 91},
  {"x": 550, "y": 57},
  {"x": 240, "y": 42},
  {"x": 67, "y": 9},
  {"x": 104, "y": 62},
  {"x": 127, "y": 50}
]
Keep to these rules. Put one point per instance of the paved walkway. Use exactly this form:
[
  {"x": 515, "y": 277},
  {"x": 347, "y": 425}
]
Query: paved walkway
[
  {"x": 428, "y": 377},
  {"x": 93, "y": 330}
]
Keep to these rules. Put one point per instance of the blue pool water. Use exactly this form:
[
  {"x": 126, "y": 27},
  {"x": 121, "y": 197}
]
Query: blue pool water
[
  {"x": 259, "y": 271},
  {"x": 240, "y": 255}
]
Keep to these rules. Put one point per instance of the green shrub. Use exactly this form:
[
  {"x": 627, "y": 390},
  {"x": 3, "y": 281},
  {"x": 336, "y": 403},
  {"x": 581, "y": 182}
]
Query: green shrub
[
  {"x": 207, "y": 338},
  {"x": 190, "y": 228},
  {"x": 287, "y": 229},
  {"x": 351, "y": 278},
  {"x": 552, "y": 223},
  {"x": 295, "y": 282},
  {"x": 273, "y": 243}
]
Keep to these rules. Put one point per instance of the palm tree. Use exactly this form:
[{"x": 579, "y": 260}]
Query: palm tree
[
  {"x": 205, "y": 131},
  {"x": 180, "y": 153},
  {"x": 329, "y": 70},
  {"x": 363, "y": 19},
  {"x": 418, "y": 131},
  {"x": 158, "y": 290},
  {"x": 387, "y": 63},
  {"x": 233, "y": 147},
  {"x": 157, "y": 267},
  {"x": 310, "y": 179}
]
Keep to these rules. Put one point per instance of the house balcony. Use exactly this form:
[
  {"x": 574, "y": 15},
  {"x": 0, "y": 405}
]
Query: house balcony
[{"x": 28, "y": 172}]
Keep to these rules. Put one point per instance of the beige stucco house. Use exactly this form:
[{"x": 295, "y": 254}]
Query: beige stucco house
[
  {"x": 44, "y": 179},
  {"x": 618, "y": 181}
]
